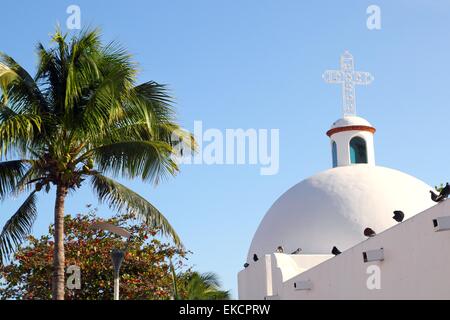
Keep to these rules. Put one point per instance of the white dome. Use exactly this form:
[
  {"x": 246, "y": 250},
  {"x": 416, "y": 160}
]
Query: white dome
[
  {"x": 333, "y": 208},
  {"x": 348, "y": 121}
]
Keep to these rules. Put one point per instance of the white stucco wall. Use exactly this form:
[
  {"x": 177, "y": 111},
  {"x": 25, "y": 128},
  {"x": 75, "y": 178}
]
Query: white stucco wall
[
  {"x": 266, "y": 277},
  {"x": 416, "y": 265},
  {"x": 254, "y": 282}
]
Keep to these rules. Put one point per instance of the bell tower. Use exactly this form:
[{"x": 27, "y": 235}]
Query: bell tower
[
  {"x": 351, "y": 136},
  {"x": 352, "y": 141}
]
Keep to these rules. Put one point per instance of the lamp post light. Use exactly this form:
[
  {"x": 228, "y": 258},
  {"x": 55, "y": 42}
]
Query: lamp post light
[{"x": 117, "y": 255}]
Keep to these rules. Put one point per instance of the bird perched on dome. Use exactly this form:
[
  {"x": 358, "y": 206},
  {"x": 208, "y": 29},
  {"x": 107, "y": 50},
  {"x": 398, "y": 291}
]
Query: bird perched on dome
[
  {"x": 255, "y": 257},
  {"x": 297, "y": 251},
  {"x": 246, "y": 265},
  {"x": 369, "y": 232},
  {"x": 398, "y": 216}
]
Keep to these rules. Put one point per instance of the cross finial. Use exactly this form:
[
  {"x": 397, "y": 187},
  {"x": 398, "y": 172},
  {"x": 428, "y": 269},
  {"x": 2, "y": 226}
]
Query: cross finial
[{"x": 348, "y": 77}]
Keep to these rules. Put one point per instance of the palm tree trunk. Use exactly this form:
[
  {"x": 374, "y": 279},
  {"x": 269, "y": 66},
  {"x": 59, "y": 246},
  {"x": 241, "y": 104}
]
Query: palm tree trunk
[{"x": 58, "y": 255}]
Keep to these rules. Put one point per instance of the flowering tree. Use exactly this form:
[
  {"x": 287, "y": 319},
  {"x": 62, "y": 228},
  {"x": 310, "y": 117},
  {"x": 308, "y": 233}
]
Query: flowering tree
[{"x": 145, "y": 273}]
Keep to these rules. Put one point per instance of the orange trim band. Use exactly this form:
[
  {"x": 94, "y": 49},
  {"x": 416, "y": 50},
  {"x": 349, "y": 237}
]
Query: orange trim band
[{"x": 350, "y": 128}]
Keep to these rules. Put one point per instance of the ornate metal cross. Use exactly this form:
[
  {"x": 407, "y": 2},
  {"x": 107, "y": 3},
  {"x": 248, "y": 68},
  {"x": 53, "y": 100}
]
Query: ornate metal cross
[{"x": 348, "y": 77}]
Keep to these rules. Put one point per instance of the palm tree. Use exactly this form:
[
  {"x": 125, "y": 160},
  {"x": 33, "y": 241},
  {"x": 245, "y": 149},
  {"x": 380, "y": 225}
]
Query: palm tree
[
  {"x": 82, "y": 117},
  {"x": 205, "y": 286}
]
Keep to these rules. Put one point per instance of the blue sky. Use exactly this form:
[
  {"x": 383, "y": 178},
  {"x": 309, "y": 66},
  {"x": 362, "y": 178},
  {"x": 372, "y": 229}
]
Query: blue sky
[{"x": 258, "y": 64}]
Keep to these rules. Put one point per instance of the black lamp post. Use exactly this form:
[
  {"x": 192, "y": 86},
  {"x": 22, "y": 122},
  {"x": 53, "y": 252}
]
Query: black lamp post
[{"x": 117, "y": 255}]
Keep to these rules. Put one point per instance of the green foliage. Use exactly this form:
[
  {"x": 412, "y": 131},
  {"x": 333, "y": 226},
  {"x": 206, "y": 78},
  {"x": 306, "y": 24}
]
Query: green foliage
[
  {"x": 83, "y": 116},
  {"x": 440, "y": 187},
  {"x": 145, "y": 273},
  {"x": 19, "y": 225},
  {"x": 203, "y": 286}
]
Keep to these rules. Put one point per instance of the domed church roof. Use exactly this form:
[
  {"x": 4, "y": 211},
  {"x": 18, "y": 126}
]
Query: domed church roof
[
  {"x": 349, "y": 121},
  {"x": 333, "y": 208}
]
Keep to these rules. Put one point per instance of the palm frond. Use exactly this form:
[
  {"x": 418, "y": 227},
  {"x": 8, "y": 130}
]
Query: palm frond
[
  {"x": 11, "y": 172},
  {"x": 119, "y": 198},
  {"x": 18, "y": 227},
  {"x": 156, "y": 98},
  {"x": 82, "y": 65},
  {"x": 7, "y": 76},
  {"x": 20, "y": 88},
  {"x": 149, "y": 104},
  {"x": 51, "y": 78},
  {"x": 146, "y": 159},
  {"x": 17, "y": 129},
  {"x": 100, "y": 105},
  {"x": 205, "y": 286}
]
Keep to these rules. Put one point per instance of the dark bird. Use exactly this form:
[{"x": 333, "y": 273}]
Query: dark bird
[
  {"x": 435, "y": 197},
  {"x": 255, "y": 257},
  {"x": 297, "y": 251},
  {"x": 280, "y": 249},
  {"x": 335, "y": 251},
  {"x": 398, "y": 216},
  {"x": 445, "y": 192},
  {"x": 246, "y": 265},
  {"x": 369, "y": 232}
]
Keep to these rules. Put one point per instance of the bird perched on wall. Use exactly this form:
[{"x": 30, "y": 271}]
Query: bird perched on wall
[
  {"x": 434, "y": 196},
  {"x": 297, "y": 251},
  {"x": 246, "y": 265},
  {"x": 398, "y": 216},
  {"x": 336, "y": 251},
  {"x": 280, "y": 249},
  {"x": 445, "y": 192},
  {"x": 369, "y": 232},
  {"x": 255, "y": 257}
]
